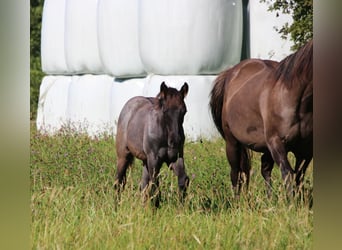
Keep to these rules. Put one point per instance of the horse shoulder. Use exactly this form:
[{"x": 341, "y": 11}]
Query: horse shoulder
[
  {"x": 282, "y": 113},
  {"x": 153, "y": 130}
]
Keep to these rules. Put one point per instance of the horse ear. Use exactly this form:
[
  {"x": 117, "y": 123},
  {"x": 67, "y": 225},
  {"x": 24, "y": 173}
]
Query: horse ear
[
  {"x": 163, "y": 90},
  {"x": 184, "y": 90}
]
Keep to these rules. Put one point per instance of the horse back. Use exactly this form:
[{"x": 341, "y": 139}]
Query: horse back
[{"x": 131, "y": 126}]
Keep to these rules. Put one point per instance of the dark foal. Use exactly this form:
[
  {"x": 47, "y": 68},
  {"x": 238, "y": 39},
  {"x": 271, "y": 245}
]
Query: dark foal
[{"x": 151, "y": 129}]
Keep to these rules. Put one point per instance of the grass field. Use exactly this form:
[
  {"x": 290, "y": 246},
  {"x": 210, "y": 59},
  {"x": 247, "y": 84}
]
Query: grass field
[{"x": 74, "y": 205}]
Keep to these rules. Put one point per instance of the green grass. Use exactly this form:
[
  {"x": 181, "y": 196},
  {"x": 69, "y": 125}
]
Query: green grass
[{"x": 74, "y": 205}]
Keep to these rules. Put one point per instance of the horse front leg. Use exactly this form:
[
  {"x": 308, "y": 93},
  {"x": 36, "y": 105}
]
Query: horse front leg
[
  {"x": 153, "y": 169},
  {"x": 144, "y": 182},
  {"x": 178, "y": 168},
  {"x": 300, "y": 170},
  {"x": 279, "y": 154},
  {"x": 145, "y": 177}
]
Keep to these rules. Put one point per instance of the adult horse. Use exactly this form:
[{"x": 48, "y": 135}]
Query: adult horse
[
  {"x": 151, "y": 129},
  {"x": 267, "y": 107}
]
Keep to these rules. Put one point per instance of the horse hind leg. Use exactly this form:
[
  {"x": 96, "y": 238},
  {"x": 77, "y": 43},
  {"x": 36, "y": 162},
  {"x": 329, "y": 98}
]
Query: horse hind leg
[
  {"x": 267, "y": 164},
  {"x": 123, "y": 163},
  {"x": 245, "y": 165},
  {"x": 233, "y": 154}
]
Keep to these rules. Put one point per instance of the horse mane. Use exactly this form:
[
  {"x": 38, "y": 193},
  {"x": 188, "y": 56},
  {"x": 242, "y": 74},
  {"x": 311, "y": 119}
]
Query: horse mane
[{"x": 297, "y": 67}]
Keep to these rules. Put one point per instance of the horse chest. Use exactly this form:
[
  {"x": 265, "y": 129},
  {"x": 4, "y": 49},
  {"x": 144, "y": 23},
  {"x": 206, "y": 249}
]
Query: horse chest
[{"x": 163, "y": 152}]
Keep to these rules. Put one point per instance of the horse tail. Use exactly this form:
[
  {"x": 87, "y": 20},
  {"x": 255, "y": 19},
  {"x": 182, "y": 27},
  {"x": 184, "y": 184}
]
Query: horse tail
[{"x": 217, "y": 98}]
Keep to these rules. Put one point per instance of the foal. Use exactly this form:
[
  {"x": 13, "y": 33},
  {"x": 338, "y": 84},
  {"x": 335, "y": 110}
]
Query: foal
[{"x": 151, "y": 129}]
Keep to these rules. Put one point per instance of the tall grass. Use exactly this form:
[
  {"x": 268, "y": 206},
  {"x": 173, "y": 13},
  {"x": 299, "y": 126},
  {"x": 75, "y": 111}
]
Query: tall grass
[{"x": 74, "y": 205}]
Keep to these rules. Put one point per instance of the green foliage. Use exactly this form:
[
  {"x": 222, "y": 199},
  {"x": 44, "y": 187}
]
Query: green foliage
[
  {"x": 74, "y": 205},
  {"x": 301, "y": 30},
  {"x": 36, "y": 74}
]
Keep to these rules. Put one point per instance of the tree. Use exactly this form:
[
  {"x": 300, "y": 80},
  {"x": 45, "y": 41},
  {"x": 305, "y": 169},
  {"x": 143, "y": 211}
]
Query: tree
[
  {"x": 301, "y": 30},
  {"x": 36, "y": 74}
]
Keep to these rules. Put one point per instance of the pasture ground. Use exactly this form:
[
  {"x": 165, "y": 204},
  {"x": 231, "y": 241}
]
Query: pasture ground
[{"x": 74, "y": 205}]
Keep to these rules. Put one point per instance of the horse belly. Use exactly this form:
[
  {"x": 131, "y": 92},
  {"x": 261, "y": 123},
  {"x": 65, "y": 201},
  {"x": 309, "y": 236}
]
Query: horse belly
[
  {"x": 247, "y": 127},
  {"x": 131, "y": 125},
  {"x": 135, "y": 137},
  {"x": 254, "y": 139}
]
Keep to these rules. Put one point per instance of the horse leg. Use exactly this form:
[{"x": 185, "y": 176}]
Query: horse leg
[
  {"x": 267, "y": 163},
  {"x": 298, "y": 170},
  {"x": 301, "y": 169},
  {"x": 245, "y": 164},
  {"x": 233, "y": 157},
  {"x": 178, "y": 168},
  {"x": 145, "y": 177},
  {"x": 153, "y": 168},
  {"x": 144, "y": 182},
  {"x": 279, "y": 155},
  {"x": 123, "y": 163}
]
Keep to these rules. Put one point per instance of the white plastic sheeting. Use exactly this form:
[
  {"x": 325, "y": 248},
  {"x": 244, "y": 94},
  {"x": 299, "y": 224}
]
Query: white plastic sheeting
[
  {"x": 176, "y": 41},
  {"x": 89, "y": 103},
  {"x": 190, "y": 37},
  {"x": 265, "y": 41},
  {"x": 52, "y": 38},
  {"x": 92, "y": 103},
  {"x": 198, "y": 122},
  {"x": 118, "y": 37},
  {"x": 81, "y": 41},
  {"x": 126, "y": 38},
  {"x": 53, "y": 103}
]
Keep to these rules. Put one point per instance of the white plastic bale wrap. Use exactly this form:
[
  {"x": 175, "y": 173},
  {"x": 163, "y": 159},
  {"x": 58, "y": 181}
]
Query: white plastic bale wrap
[
  {"x": 198, "y": 122},
  {"x": 118, "y": 37},
  {"x": 190, "y": 37},
  {"x": 121, "y": 92},
  {"x": 81, "y": 40},
  {"x": 89, "y": 103},
  {"x": 265, "y": 41},
  {"x": 52, "y": 37},
  {"x": 53, "y": 103}
]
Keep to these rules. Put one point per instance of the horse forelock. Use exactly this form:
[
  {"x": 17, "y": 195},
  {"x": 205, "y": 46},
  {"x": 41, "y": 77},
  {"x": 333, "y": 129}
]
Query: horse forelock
[
  {"x": 172, "y": 97},
  {"x": 297, "y": 67}
]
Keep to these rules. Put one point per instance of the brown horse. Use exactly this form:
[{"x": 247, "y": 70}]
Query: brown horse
[
  {"x": 151, "y": 129},
  {"x": 267, "y": 107}
]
